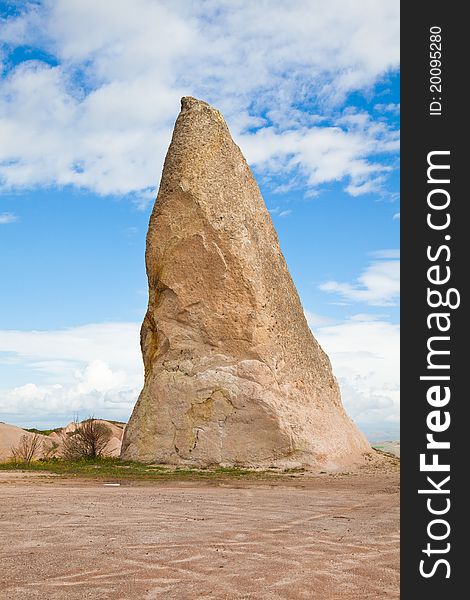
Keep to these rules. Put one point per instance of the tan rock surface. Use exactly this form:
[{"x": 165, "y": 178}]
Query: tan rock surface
[{"x": 233, "y": 374}]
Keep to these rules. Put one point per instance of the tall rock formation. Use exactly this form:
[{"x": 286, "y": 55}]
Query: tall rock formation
[{"x": 233, "y": 374}]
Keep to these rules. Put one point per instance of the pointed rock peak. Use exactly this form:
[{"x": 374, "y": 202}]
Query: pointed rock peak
[
  {"x": 188, "y": 102},
  {"x": 199, "y": 109},
  {"x": 233, "y": 374}
]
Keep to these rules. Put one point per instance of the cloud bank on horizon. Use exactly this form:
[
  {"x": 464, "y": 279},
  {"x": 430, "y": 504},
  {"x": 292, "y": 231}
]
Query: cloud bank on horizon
[
  {"x": 88, "y": 97},
  {"x": 84, "y": 371}
]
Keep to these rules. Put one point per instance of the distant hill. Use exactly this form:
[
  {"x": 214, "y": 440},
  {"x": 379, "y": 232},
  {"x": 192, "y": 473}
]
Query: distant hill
[
  {"x": 11, "y": 435},
  {"x": 389, "y": 447}
]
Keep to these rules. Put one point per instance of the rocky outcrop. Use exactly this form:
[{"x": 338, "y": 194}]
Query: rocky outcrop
[{"x": 233, "y": 374}]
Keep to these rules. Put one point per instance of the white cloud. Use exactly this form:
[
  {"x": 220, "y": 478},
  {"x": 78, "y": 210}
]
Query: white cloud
[
  {"x": 365, "y": 354},
  {"x": 106, "y": 341},
  {"x": 28, "y": 392},
  {"x": 396, "y": 216},
  {"x": 390, "y": 108},
  {"x": 102, "y": 116},
  {"x": 6, "y": 218},
  {"x": 315, "y": 320},
  {"x": 362, "y": 317},
  {"x": 92, "y": 369},
  {"x": 378, "y": 285},
  {"x": 323, "y": 154}
]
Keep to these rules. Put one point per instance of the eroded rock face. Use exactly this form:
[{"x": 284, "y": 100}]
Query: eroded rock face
[{"x": 233, "y": 374}]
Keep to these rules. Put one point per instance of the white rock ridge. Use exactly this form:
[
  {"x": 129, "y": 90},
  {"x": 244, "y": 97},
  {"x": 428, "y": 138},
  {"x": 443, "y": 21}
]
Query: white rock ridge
[{"x": 233, "y": 374}]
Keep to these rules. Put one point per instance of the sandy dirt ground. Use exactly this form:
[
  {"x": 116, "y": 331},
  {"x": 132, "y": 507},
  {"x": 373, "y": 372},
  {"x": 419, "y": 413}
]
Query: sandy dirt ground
[{"x": 325, "y": 537}]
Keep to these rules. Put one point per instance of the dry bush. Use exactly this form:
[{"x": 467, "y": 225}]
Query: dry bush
[
  {"x": 29, "y": 448},
  {"x": 88, "y": 439},
  {"x": 50, "y": 451}
]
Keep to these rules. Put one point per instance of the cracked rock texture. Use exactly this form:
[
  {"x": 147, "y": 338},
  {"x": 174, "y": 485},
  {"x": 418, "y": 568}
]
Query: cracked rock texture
[{"x": 233, "y": 374}]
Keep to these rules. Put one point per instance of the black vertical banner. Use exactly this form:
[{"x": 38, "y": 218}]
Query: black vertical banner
[{"x": 435, "y": 255}]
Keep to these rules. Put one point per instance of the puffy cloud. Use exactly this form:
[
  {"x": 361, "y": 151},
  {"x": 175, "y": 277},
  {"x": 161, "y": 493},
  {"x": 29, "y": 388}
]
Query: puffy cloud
[
  {"x": 324, "y": 153},
  {"x": 378, "y": 285},
  {"x": 92, "y": 369},
  {"x": 390, "y": 108},
  {"x": 365, "y": 354},
  {"x": 97, "y": 109},
  {"x": 28, "y": 392},
  {"x": 93, "y": 388}
]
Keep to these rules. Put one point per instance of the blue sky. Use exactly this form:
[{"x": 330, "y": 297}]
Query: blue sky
[{"x": 87, "y": 103}]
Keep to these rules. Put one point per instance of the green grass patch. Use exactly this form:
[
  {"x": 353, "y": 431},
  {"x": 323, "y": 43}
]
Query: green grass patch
[
  {"x": 43, "y": 431},
  {"x": 114, "y": 468}
]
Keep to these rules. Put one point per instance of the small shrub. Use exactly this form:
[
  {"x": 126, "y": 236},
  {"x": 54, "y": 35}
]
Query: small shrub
[
  {"x": 49, "y": 452},
  {"x": 29, "y": 448},
  {"x": 88, "y": 439}
]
